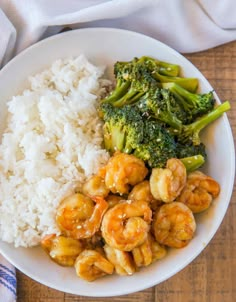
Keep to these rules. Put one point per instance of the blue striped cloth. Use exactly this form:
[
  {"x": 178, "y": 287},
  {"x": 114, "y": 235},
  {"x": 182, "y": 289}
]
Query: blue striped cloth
[{"x": 7, "y": 281}]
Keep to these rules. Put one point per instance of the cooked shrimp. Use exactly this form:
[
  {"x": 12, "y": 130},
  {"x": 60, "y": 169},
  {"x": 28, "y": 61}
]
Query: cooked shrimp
[
  {"x": 112, "y": 200},
  {"x": 142, "y": 192},
  {"x": 158, "y": 251},
  {"x": 126, "y": 225},
  {"x": 62, "y": 250},
  {"x": 166, "y": 184},
  {"x": 91, "y": 265},
  {"x": 148, "y": 252},
  {"x": 174, "y": 225},
  {"x": 95, "y": 186},
  {"x": 122, "y": 261},
  {"x": 199, "y": 191},
  {"x": 78, "y": 217},
  {"x": 122, "y": 171},
  {"x": 142, "y": 254}
]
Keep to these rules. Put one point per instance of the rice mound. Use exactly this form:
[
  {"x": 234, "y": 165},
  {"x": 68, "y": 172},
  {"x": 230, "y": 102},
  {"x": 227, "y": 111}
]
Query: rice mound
[{"x": 52, "y": 143}]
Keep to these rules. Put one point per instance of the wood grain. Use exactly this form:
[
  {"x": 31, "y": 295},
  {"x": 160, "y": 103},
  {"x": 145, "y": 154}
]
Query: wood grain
[{"x": 211, "y": 277}]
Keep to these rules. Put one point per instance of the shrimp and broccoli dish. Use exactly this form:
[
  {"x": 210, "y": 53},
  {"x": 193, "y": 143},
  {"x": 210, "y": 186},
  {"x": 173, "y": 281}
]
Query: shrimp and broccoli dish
[{"x": 145, "y": 199}]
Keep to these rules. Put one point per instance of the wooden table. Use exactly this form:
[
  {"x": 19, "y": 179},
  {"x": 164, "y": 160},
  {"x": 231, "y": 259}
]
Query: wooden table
[{"x": 211, "y": 277}]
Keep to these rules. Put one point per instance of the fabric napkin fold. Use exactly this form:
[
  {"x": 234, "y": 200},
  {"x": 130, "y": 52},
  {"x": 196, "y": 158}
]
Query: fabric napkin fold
[
  {"x": 186, "y": 25},
  {"x": 7, "y": 281}
]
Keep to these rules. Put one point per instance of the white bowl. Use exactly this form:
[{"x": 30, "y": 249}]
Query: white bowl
[{"x": 105, "y": 46}]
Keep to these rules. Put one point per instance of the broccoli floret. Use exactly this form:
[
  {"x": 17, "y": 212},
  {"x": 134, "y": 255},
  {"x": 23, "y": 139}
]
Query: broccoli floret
[
  {"x": 157, "y": 145},
  {"x": 161, "y": 104},
  {"x": 133, "y": 79},
  {"x": 195, "y": 104},
  {"x": 165, "y": 72},
  {"x": 123, "y": 128},
  {"x": 141, "y": 82},
  {"x": 189, "y": 150},
  {"x": 193, "y": 163},
  {"x": 122, "y": 71},
  {"x": 191, "y": 132},
  {"x": 136, "y": 77},
  {"x": 163, "y": 68}
]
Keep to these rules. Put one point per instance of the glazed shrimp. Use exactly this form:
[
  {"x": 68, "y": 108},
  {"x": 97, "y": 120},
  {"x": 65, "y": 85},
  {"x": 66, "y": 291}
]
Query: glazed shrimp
[
  {"x": 62, "y": 250},
  {"x": 126, "y": 225},
  {"x": 148, "y": 252},
  {"x": 174, "y": 225},
  {"x": 91, "y": 265},
  {"x": 166, "y": 184},
  {"x": 112, "y": 200},
  {"x": 122, "y": 171},
  {"x": 142, "y": 254},
  {"x": 158, "y": 251},
  {"x": 78, "y": 217},
  {"x": 142, "y": 192},
  {"x": 122, "y": 261},
  {"x": 199, "y": 192},
  {"x": 95, "y": 186}
]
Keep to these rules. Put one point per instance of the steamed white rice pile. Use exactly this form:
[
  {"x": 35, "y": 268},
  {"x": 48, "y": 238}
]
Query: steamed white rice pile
[{"x": 51, "y": 145}]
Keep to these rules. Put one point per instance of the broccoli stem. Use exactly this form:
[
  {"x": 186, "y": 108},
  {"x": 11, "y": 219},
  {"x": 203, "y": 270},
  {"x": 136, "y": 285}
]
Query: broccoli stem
[
  {"x": 114, "y": 138},
  {"x": 193, "y": 130},
  {"x": 192, "y": 163},
  {"x": 180, "y": 91},
  {"x": 169, "y": 119},
  {"x": 168, "y": 69},
  {"x": 190, "y": 84},
  {"x": 181, "y": 94},
  {"x": 188, "y": 99},
  {"x": 129, "y": 98},
  {"x": 118, "y": 92}
]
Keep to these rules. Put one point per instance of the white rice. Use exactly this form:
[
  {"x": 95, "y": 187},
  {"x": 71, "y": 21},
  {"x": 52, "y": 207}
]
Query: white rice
[{"x": 51, "y": 145}]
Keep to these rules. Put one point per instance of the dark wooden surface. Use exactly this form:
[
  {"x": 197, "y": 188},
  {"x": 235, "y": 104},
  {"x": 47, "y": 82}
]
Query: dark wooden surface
[{"x": 211, "y": 277}]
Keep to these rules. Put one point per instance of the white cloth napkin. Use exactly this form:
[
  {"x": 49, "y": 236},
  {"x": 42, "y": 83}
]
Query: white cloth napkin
[
  {"x": 7, "y": 281},
  {"x": 186, "y": 25}
]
